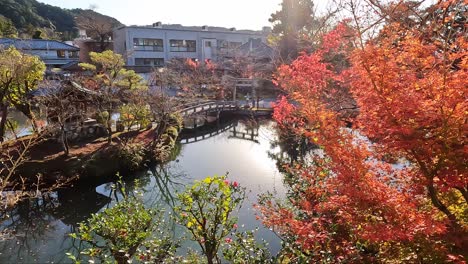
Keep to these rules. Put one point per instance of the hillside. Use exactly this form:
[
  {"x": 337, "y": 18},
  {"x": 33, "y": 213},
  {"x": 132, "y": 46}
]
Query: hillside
[{"x": 30, "y": 15}]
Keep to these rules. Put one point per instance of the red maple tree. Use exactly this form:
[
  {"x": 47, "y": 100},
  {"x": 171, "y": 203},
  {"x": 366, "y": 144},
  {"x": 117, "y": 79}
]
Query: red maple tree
[{"x": 394, "y": 186}]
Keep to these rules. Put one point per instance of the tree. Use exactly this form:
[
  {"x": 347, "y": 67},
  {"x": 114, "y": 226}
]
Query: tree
[
  {"x": 64, "y": 104},
  {"x": 19, "y": 75},
  {"x": 425, "y": 120},
  {"x": 295, "y": 27},
  {"x": 113, "y": 82},
  {"x": 135, "y": 114},
  {"x": 196, "y": 79},
  {"x": 7, "y": 29},
  {"x": 205, "y": 210},
  {"x": 98, "y": 26},
  {"x": 395, "y": 185},
  {"x": 11, "y": 158}
]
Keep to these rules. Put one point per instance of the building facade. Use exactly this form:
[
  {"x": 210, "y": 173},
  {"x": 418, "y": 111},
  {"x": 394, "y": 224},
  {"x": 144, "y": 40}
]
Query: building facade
[
  {"x": 87, "y": 45},
  {"x": 54, "y": 54},
  {"x": 154, "y": 45}
]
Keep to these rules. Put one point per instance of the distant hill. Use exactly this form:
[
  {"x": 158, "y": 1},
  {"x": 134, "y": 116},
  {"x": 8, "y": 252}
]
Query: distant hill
[{"x": 30, "y": 15}]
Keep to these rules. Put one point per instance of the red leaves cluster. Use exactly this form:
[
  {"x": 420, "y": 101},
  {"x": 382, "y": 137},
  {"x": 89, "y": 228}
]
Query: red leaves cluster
[
  {"x": 412, "y": 103},
  {"x": 415, "y": 102}
]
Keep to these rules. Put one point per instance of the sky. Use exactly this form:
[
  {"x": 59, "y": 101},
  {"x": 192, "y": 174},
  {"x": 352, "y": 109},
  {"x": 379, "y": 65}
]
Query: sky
[{"x": 241, "y": 14}]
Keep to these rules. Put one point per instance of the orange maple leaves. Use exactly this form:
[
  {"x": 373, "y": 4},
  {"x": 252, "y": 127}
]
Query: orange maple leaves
[{"x": 412, "y": 107}]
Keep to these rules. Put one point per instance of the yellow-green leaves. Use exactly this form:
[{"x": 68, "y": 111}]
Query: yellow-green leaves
[
  {"x": 110, "y": 72},
  {"x": 87, "y": 66},
  {"x": 19, "y": 74},
  {"x": 205, "y": 210}
]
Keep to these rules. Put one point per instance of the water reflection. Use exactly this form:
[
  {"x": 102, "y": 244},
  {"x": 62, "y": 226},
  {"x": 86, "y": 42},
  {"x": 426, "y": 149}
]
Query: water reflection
[
  {"x": 239, "y": 147},
  {"x": 20, "y": 125}
]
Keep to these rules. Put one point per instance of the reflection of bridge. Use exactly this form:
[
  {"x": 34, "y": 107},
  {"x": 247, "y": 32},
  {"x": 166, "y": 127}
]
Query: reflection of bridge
[
  {"x": 207, "y": 107},
  {"x": 211, "y": 130},
  {"x": 206, "y": 132},
  {"x": 250, "y": 134}
]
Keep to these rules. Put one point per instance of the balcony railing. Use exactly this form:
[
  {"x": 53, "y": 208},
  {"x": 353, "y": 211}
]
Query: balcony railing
[{"x": 149, "y": 48}]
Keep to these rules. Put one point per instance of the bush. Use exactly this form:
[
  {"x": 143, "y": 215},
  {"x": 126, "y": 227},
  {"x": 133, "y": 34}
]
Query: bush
[
  {"x": 205, "y": 210},
  {"x": 176, "y": 121},
  {"x": 123, "y": 233},
  {"x": 243, "y": 248},
  {"x": 103, "y": 117},
  {"x": 130, "y": 155},
  {"x": 164, "y": 145},
  {"x": 172, "y": 132},
  {"x": 133, "y": 114}
]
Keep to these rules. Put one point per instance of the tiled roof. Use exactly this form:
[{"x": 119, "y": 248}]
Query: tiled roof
[
  {"x": 54, "y": 86},
  {"x": 36, "y": 44},
  {"x": 257, "y": 48}
]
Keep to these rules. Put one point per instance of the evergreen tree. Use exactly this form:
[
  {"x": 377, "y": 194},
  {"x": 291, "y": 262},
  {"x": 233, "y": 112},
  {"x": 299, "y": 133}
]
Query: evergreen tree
[
  {"x": 294, "y": 19},
  {"x": 7, "y": 29}
]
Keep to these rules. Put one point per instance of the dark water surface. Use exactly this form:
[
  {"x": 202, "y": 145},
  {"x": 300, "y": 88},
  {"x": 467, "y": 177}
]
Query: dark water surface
[{"x": 40, "y": 227}]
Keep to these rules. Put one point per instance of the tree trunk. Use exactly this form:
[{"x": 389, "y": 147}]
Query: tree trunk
[
  {"x": 464, "y": 192},
  {"x": 4, "y": 110},
  {"x": 209, "y": 257},
  {"x": 120, "y": 257},
  {"x": 66, "y": 147},
  {"x": 439, "y": 205},
  {"x": 109, "y": 132},
  {"x": 8, "y": 123},
  {"x": 25, "y": 108}
]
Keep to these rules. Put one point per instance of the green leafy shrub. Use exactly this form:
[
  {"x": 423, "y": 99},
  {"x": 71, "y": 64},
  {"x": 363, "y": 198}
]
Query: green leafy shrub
[
  {"x": 103, "y": 117},
  {"x": 205, "y": 210},
  {"x": 163, "y": 146},
  {"x": 124, "y": 233},
  {"x": 243, "y": 248},
  {"x": 172, "y": 132},
  {"x": 130, "y": 155},
  {"x": 133, "y": 114},
  {"x": 176, "y": 121}
]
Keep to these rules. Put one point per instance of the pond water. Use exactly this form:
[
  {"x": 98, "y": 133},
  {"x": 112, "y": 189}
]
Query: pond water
[{"x": 240, "y": 148}]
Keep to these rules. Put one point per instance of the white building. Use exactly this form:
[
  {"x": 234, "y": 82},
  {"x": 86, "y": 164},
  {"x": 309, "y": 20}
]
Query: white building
[{"x": 154, "y": 45}]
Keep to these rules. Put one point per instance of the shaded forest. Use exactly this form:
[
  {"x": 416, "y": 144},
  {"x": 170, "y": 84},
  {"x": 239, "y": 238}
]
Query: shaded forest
[{"x": 30, "y": 18}]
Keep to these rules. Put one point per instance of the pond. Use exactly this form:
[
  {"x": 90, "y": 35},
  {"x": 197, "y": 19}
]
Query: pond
[{"x": 241, "y": 148}]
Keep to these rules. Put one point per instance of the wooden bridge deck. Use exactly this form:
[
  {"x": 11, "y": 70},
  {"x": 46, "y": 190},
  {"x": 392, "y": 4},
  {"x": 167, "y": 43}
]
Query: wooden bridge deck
[{"x": 208, "y": 106}]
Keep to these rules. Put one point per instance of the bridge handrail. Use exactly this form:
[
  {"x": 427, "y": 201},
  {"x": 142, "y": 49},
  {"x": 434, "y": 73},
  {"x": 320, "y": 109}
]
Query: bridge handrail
[
  {"x": 191, "y": 104},
  {"x": 209, "y": 104}
]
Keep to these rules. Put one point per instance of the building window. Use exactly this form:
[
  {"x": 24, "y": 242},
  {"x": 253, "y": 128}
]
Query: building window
[
  {"x": 73, "y": 54},
  {"x": 158, "y": 62},
  {"x": 142, "y": 44},
  {"x": 60, "y": 53},
  {"x": 183, "y": 45},
  {"x": 208, "y": 44}
]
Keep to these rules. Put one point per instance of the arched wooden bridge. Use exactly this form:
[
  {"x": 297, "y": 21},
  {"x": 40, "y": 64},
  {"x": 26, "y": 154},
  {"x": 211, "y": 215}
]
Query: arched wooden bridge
[{"x": 187, "y": 110}]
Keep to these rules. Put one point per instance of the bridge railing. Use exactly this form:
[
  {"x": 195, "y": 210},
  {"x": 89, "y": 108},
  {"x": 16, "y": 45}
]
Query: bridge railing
[{"x": 207, "y": 106}]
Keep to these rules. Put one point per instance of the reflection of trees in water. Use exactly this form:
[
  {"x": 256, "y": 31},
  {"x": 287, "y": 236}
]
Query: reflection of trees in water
[
  {"x": 292, "y": 149},
  {"x": 288, "y": 151},
  {"x": 33, "y": 223},
  {"x": 77, "y": 205},
  {"x": 167, "y": 180},
  {"x": 28, "y": 223},
  {"x": 158, "y": 186}
]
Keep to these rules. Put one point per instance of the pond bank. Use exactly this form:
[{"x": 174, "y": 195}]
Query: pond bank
[
  {"x": 41, "y": 227},
  {"x": 95, "y": 161}
]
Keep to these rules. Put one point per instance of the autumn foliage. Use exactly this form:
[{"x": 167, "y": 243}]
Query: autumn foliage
[{"x": 393, "y": 187}]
